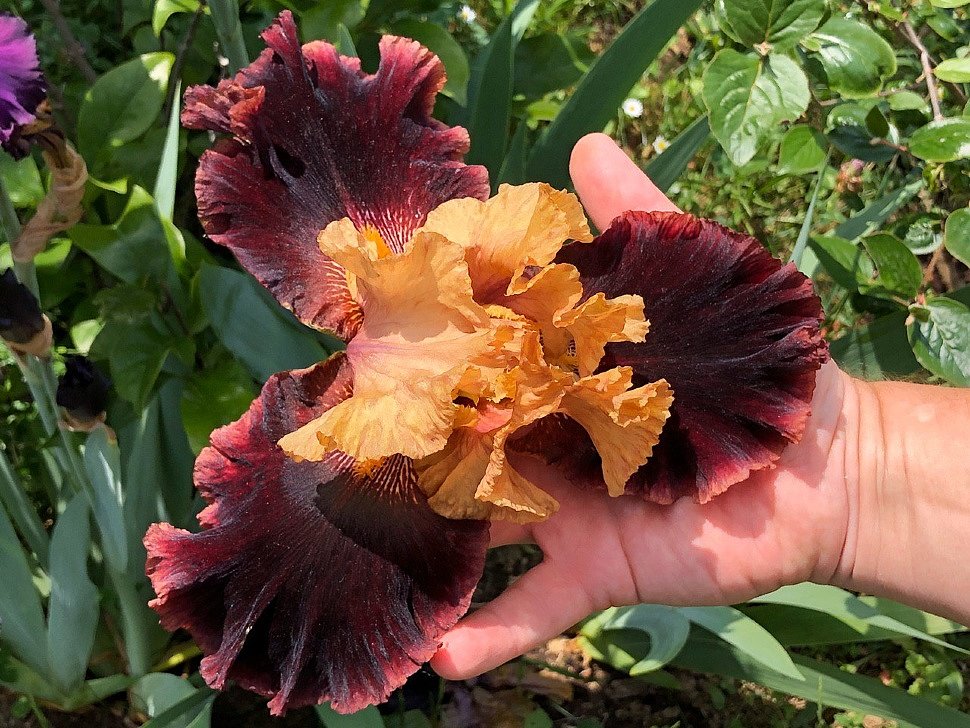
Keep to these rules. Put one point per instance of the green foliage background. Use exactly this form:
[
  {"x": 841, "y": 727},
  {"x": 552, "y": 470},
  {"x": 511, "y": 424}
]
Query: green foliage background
[{"x": 836, "y": 132}]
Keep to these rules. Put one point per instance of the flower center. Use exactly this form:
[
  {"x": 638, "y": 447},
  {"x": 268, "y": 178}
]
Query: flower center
[{"x": 373, "y": 236}]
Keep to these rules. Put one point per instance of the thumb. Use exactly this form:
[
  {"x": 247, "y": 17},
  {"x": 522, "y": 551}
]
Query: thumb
[
  {"x": 609, "y": 183},
  {"x": 541, "y": 604}
]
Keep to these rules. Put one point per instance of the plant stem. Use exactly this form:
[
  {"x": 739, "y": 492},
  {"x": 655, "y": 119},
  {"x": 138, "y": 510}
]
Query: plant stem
[
  {"x": 924, "y": 59},
  {"x": 225, "y": 17}
]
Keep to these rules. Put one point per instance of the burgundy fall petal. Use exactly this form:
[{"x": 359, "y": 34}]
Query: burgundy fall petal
[
  {"x": 734, "y": 332},
  {"x": 316, "y": 140},
  {"x": 311, "y": 581}
]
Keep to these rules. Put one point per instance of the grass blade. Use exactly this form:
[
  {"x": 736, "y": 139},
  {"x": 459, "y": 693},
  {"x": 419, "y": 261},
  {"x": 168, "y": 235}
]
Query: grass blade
[
  {"x": 666, "y": 168},
  {"x": 605, "y": 85}
]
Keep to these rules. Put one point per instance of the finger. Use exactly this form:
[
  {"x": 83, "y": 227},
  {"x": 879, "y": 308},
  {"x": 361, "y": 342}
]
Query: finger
[
  {"x": 540, "y": 605},
  {"x": 503, "y": 533},
  {"x": 609, "y": 183}
]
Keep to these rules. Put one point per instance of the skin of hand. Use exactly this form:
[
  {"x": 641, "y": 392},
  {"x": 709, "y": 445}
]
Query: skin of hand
[{"x": 799, "y": 521}]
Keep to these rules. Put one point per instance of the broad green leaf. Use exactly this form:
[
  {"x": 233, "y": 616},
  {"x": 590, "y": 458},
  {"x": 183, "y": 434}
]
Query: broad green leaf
[
  {"x": 666, "y": 168},
  {"x": 133, "y": 247},
  {"x": 136, "y": 352},
  {"x": 846, "y": 262},
  {"x": 748, "y": 97},
  {"x": 22, "y": 626},
  {"x": 490, "y": 90},
  {"x": 121, "y": 106},
  {"x": 169, "y": 166},
  {"x": 606, "y": 85},
  {"x": 215, "y": 397},
  {"x": 907, "y": 101},
  {"x": 538, "y": 718},
  {"x": 103, "y": 467},
  {"x": 256, "y": 331},
  {"x": 23, "y": 513},
  {"x": 949, "y": 3},
  {"x": 945, "y": 140},
  {"x": 550, "y": 61},
  {"x": 939, "y": 332},
  {"x": 165, "y": 9},
  {"x": 898, "y": 271},
  {"x": 746, "y": 635},
  {"x": 21, "y": 180},
  {"x": 324, "y": 20},
  {"x": 158, "y": 692},
  {"x": 442, "y": 44},
  {"x": 778, "y": 23},
  {"x": 193, "y": 706},
  {"x": 803, "y": 149},
  {"x": 956, "y": 235},
  {"x": 876, "y": 213},
  {"x": 73, "y": 607},
  {"x": 880, "y": 350},
  {"x": 366, "y": 718},
  {"x": 847, "y": 608},
  {"x": 848, "y": 130},
  {"x": 956, "y": 70},
  {"x": 856, "y": 59},
  {"x": 667, "y": 627},
  {"x": 822, "y": 683}
]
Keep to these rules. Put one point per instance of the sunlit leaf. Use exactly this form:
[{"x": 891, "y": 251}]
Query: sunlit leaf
[
  {"x": 778, "y": 23},
  {"x": 939, "y": 332},
  {"x": 749, "y": 96}
]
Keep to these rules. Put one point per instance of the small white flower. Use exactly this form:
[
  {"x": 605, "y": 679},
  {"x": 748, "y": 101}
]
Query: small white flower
[
  {"x": 633, "y": 108},
  {"x": 660, "y": 144},
  {"x": 467, "y": 14}
]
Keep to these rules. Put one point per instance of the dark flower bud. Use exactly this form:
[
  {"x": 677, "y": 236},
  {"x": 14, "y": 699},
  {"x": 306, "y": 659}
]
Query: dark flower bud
[
  {"x": 83, "y": 392},
  {"x": 22, "y": 325}
]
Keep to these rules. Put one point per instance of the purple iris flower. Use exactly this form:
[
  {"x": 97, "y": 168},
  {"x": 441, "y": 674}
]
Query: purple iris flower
[{"x": 22, "y": 85}]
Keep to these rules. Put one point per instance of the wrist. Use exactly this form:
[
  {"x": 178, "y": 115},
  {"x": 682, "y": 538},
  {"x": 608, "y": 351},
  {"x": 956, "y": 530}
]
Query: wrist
[{"x": 905, "y": 485}]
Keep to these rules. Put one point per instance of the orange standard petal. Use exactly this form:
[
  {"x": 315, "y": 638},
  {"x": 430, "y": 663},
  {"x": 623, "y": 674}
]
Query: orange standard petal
[
  {"x": 420, "y": 329},
  {"x": 521, "y": 226}
]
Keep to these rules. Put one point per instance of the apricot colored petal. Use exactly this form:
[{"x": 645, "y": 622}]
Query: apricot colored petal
[
  {"x": 311, "y": 582},
  {"x": 420, "y": 329},
  {"x": 470, "y": 478},
  {"x": 734, "y": 332},
  {"x": 519, "y": 227},
  {"x": 600, "y": 320},
  {"x": 316, "y": 140},
  {"x": 624, "y": 424}
]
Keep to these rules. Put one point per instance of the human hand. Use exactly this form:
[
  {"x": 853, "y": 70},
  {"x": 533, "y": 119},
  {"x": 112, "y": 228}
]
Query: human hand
[{"x": 781, "y": 526}]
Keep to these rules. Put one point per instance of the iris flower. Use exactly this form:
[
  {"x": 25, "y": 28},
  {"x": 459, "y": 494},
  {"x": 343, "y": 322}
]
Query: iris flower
[
  {"x": 348, "y": 508},
  {"x": 22, "y": 85}
]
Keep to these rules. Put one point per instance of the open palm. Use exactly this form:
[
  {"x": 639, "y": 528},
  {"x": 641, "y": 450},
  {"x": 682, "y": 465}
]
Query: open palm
[{"x": 781, "y": 526}]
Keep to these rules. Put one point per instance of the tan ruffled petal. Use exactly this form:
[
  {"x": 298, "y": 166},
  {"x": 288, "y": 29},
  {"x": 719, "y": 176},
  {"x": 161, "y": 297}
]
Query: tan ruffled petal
[
  {"x": 599, "y": 321},
  {"x": 471, "y": 477},
  {"x": 420, "y": 330},
  {"x": 521, "y": 226},
  {"x": 624, "y": 424}
]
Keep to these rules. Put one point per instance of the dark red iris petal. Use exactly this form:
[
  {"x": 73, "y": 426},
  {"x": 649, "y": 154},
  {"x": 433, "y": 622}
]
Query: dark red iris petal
[
  {"x": 317, "y": 140},
  {"x": 311, "y": 581},
  {"x": 735, "y": 332}
]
